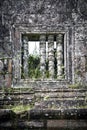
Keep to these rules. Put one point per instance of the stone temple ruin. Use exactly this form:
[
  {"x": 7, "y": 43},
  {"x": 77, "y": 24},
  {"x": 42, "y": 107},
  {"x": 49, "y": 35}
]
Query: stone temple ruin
[
  {"x": 63, "y": 22},
  {"x": 56, "y": 31}
]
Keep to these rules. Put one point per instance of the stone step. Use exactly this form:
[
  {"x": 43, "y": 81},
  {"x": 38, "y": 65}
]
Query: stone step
[
  {"x": 61, "y": 94},
  {"x": 31, "y": 90},
  {"x": 61, "y": 103},
  {"x": 48, "y": 98},
  {"x": 45, "y": 98},
  {"x": 55, "y": 91},
  {"x": 42, "y": 83},
  {"x": 51, "y": 104},
  {"x": 23, "y": 125},
  {"x": 43, "y": 95},
  {"x": 46, "y": 125},
  {"x": 38, "y": 114}
]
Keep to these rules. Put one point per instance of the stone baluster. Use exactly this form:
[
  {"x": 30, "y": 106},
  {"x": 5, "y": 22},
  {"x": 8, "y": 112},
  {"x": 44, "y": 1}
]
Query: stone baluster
[
  {"x": 43, "y": 55},
  {"x": 59, "y": 42},
  {"x": 25, "y": 56},
  {"x": 51, "y": 56}
]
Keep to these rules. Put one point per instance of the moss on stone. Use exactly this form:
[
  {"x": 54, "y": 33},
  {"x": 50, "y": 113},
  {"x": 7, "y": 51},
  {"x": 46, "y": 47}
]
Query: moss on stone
[
  {"x": 21, "y": 108},
  {"x": 77, "y": 86},
  {"x": 13, "y": 90}
]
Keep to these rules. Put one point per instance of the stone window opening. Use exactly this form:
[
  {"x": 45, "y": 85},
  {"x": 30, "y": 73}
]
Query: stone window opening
[{"x": 47, "y": 54}]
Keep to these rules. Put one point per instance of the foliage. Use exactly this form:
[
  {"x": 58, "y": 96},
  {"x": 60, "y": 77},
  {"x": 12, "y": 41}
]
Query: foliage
[
  {"x": 46, "y": 97},
  {"x": 7, "y": 90},
  {"x": 78, "y": 85},
  {"x": 20, "y": 108},
  {"x": 33, "y": 66}
]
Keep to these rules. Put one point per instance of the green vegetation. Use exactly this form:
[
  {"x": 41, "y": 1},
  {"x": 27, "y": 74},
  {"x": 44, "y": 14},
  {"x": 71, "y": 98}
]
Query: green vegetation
[
  {"x": 34, "y": 67},
  {"x": 21, "y": 108},
  {"x": 74, "y": 86},
  {"x": 13, "y": 90},
  {"x": 18, "y": 108},
  {"x": 46, "y": 97},
  {"x": 7, "y": 90},
  {"x": 77, "y": 86}
]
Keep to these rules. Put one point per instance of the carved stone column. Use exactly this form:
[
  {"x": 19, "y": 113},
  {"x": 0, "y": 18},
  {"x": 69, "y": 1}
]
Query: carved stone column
[
  {"x": 59, "y": 42},
  {"x": 43, "y": 55},
  {"x": 25, "y": 56},
  {"x": 51, "y": 55}
]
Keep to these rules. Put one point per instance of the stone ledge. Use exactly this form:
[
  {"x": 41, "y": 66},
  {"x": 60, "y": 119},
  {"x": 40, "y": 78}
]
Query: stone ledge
[
  {"x": 54, "y": 114},
  {"x": 45, "y": 125},
  {"x": 45, "y": 119},
  {"x": 68, "y": 124},
  {"x": 6, "y": 114},
  {"x": 22, "y": 124},
  {"x": 42, "y": 83}
]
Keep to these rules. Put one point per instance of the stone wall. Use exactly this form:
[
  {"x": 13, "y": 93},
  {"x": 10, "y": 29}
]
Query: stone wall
[{"x": 35, "y": 16}]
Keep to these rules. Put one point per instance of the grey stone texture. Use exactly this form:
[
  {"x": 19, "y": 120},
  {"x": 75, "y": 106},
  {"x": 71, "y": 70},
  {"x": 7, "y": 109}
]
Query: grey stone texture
[
  {"x": 44, "y": 119},
  {"x": 69, "y": 17},
  {"x": 25, "y": 56},
  {"x": 60, "y": 56},
  {"x": 51, "y": 55},
  {"x": 43, "y": 55}
]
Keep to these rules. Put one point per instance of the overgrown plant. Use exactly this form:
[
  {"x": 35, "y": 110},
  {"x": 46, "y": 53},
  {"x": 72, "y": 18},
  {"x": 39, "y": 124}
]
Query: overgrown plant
[{"x": 34, "y": 66}]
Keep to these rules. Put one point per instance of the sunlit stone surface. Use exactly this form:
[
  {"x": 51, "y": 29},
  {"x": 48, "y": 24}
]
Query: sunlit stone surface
[
  {"x": 59, "y": 56},
  {"x": 43, "y": 55},
  {"x": 51, "y": 55}
]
